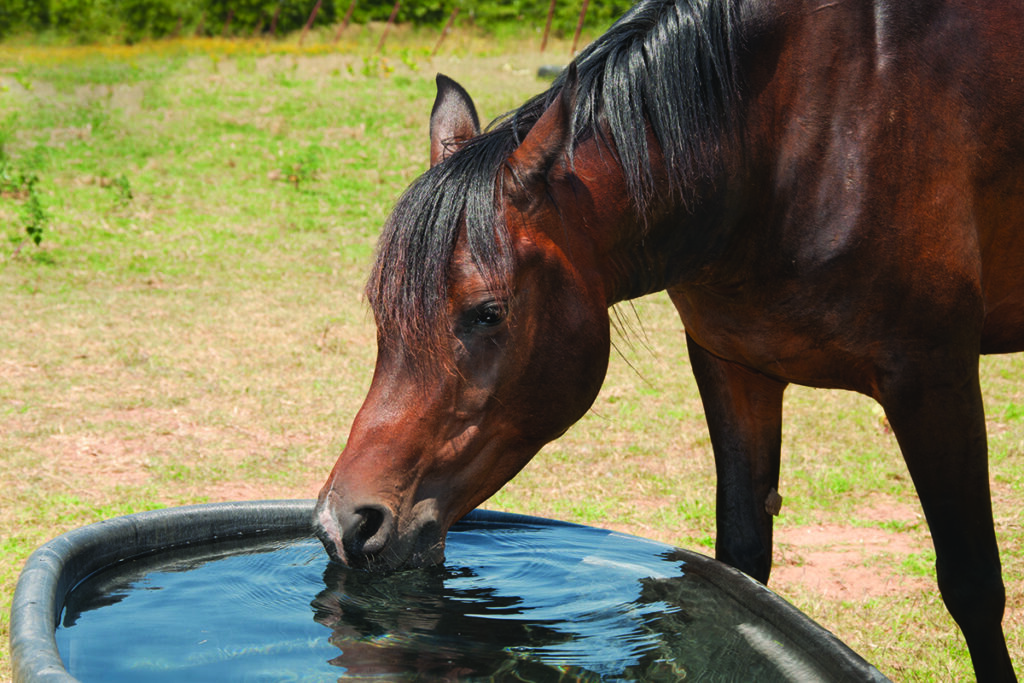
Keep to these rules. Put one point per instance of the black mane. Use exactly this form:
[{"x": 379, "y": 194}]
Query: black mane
[{"x": 667, "y": 62}]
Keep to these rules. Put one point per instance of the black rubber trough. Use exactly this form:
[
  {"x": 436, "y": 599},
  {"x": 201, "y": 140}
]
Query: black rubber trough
[{"x": 806, "y": 650}]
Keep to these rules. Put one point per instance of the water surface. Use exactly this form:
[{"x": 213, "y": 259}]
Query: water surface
[{"x": 514, "y": 602}]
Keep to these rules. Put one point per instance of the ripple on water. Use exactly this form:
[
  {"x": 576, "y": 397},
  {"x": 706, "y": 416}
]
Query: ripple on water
[{"x": 514, "y": 601}]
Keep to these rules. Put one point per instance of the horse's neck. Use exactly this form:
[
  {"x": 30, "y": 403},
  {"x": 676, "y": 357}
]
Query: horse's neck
[{"x": 640, "y": 254}]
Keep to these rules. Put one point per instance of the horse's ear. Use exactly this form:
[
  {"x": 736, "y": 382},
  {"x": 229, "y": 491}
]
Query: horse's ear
[
  {"x": 549, "y": 137},
  {"x": 453, "y": 119}
]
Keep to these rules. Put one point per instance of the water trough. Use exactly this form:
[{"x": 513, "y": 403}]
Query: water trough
[{"x": 242, "y": 591}]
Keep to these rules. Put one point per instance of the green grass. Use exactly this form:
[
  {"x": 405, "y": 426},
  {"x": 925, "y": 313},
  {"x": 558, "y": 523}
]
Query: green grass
[{"x": 191, "y": 326}]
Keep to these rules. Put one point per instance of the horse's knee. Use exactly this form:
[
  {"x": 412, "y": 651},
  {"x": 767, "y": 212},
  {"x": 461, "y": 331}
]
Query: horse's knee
[
  {"x": 745, "y": 533},
  {"x": 750, "y": 556}
]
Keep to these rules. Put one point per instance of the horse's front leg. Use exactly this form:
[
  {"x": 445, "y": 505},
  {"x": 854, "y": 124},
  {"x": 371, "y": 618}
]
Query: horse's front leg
[
  {"x": 744, "y": 416},
  {"x": 938, "y": 418}
]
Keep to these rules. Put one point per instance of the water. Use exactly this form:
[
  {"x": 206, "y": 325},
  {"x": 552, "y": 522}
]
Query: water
[{"x": 514, "y": 602}]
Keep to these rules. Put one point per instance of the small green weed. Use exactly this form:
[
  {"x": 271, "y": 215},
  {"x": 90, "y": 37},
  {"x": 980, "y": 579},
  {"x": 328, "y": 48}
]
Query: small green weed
[
  {"x": 21, "y": 187},
  {"x": 304, "y": 168},
  {"x": 691, "y": 509},
  {"x": 121, "y": 188},
  {"x": 374, "y": 66},
  {"x": 920, "y": 564},
  {"x": 1013, "y": 412}
]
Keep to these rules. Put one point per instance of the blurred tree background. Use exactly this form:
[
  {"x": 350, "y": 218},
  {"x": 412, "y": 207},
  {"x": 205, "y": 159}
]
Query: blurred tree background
[{"x": 130, "y": 20}]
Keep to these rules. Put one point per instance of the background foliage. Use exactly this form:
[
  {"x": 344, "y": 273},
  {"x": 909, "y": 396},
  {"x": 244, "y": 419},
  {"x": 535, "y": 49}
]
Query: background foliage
[{"x": 130, "y": 20}]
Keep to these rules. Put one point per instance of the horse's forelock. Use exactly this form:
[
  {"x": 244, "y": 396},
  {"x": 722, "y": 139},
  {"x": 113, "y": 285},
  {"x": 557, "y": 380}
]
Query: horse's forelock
[{"x": 409, "y": 284}]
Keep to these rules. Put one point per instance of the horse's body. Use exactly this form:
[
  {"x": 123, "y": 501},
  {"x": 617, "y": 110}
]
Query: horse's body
[{"x": 832, "y": 193}]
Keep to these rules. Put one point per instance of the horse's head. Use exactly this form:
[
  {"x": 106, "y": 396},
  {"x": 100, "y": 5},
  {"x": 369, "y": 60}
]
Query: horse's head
[{"x": 492, "y": 332}]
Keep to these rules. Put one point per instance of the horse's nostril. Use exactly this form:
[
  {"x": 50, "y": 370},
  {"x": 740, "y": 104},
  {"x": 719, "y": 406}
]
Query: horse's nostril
[{"x": 366, "y": 531}]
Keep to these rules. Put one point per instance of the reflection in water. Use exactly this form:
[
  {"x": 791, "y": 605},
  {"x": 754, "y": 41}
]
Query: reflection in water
[
  {"x": 585, "y": 613},
  {"x": 514, "y": 602},
  {"x": 410, "y": 622},
  {"x": 523, "y": 602}
]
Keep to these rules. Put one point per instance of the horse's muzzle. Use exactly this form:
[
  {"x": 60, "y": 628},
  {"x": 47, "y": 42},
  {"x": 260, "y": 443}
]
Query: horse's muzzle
[{"x": 367, "y": 535}]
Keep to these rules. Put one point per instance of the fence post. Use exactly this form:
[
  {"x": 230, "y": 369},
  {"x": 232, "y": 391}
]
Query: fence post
[
  {"x": 273, "y": 22},
  {"x": 387, "y": 27},
  {"x": 447, "y": 27},
  {"x": 547, "y": 26},
  {"x": 579, "y": 27},
  {"x": 344, "y": 23},
  {"x": 309, "y": 22}
]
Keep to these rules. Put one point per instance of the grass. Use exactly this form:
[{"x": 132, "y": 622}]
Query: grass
[{"x": 190, "y": 326}]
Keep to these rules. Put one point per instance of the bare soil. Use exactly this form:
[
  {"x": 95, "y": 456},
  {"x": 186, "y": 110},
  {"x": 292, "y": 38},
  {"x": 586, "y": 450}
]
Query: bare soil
[{"x": 842, "y": 562}]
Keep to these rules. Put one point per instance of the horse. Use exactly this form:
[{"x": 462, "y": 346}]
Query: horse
[{"x": 831, "y": 193}]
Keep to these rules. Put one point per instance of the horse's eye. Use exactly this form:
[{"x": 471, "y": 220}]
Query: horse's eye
[{"x": 489, "y": 314}]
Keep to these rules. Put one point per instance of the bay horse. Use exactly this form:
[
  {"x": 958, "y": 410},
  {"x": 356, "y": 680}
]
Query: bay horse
[{"x": 830, "y": 191}]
